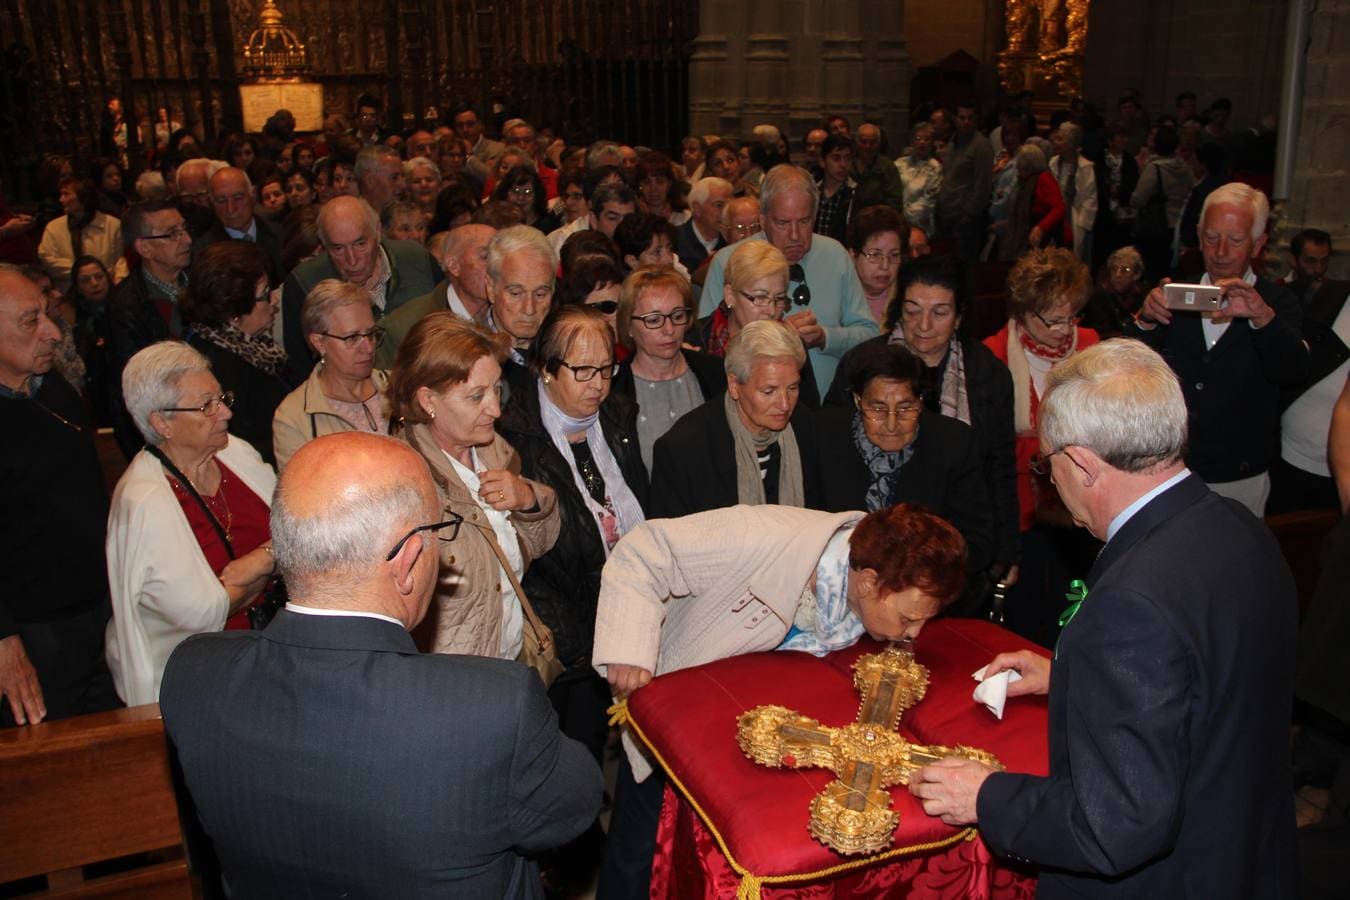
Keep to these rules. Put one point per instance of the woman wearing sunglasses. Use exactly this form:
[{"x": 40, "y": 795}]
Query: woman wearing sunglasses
[
  {"x": 755, "y": 288},
  {"x": 344, "y": 392},
  {"x": 444, "y": 400},
  {"x": 189, "y": 541},
  {"x": 666, "y": 378}
]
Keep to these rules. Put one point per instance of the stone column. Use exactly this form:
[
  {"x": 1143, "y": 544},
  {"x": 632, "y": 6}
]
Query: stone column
[
  {"x": 790, "y": 62},
  {"x": 1321, "y": 176}
]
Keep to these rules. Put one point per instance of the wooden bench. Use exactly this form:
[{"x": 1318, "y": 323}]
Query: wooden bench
[{"x": 91, "y": 790}]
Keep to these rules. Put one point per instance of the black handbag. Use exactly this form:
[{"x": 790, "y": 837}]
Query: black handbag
[
  {"x": 274, "y": 596},
  {"x": 1151, "y": 223}
]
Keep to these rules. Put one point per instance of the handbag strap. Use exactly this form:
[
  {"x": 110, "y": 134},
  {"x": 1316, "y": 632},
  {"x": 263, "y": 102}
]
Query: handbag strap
[
  {"x": 526, "y": 607},
  {"x": 188, "y": 486}
]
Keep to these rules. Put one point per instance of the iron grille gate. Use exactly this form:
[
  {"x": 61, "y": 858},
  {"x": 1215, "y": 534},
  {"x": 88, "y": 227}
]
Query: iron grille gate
[{"x": 586, "y": 68}]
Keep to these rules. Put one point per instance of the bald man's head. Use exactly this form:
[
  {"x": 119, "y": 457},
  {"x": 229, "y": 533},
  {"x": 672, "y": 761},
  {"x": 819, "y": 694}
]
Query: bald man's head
[
  {"x": 342, "y": 503},
  {"x": 232, "y": 198}
]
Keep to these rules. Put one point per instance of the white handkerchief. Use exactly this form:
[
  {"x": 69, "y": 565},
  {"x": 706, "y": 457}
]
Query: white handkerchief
[{"x": 994, "y": 692}]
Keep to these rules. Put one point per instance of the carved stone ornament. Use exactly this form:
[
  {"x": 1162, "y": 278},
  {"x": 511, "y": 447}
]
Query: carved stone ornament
[{"x": 853, "y": 815}]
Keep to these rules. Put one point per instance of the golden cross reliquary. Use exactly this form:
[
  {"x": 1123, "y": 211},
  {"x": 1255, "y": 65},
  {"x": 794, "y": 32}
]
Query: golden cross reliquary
[{"x": 853, "y": 814}]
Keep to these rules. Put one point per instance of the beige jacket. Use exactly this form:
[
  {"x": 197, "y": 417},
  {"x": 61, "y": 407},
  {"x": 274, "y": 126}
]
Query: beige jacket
[
  {"x": 467, "y": 607},
  {"x": 677, "y": 593},
  {"x": 306, "y": 414}
]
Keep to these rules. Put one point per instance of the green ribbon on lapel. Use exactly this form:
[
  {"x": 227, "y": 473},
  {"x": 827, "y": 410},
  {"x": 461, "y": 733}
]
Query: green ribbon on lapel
[{"x": 1077, "y": 594}]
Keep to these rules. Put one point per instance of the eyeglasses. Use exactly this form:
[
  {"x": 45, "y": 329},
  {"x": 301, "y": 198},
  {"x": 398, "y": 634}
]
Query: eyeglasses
[
  {"x": 353, "y": 340},
  {"x": 1041, "y": 464},
  {"x": 172, "y": 234},
  {"x": 586, "y": 373},
  {"x": 780, "y": 301},
  {"x": 682, "y": 316},
  {"x": 522, "y": 190},
  {"x": 450, "y": 526},
  {"x": 1058, "y": 323},
  {"x": 883, "y": 413},
  {"x": 608, "y": 307},
  {"x": 745, "y": 230},
  {"x": 209, "y": 408},
  {"x": 802, "y": 295},
  {"x": 1125, "y": 270},
  {"x": 877, "y": 257}
]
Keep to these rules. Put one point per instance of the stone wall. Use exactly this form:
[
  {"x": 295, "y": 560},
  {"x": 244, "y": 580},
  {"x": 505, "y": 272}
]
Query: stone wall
[
  {"x": 1322, "y": 157},
  {"x": 789, "y": 62}
]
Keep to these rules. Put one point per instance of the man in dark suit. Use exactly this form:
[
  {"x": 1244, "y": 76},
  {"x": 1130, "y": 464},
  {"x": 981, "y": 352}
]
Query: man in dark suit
[
  {"x": 232, "y": 201},
  {"x": 325, "y": 755},
  {"x": 1232, "y": 363},
  {"x": 1173, "y": 676},
  {"x": 701, "y": 236}
]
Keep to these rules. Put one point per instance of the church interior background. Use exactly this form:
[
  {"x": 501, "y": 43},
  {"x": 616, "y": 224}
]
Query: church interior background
[{"x": 650, "y": 71}]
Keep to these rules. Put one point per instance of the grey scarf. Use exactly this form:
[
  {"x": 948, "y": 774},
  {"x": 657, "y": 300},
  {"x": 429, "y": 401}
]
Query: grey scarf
[{"x": 749, "y": 485}]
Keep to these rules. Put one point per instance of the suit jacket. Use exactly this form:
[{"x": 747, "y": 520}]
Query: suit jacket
[
  {"x": 1169, "y": 718},
  {"x": 689, "y": 248},
  {"x": 694, "y": 463},
  {"x": 943, "y": 474},
  {"x": 1233, "y": 391},
  {"x": 269, "y": 237},
  {"x": 328, "y": 758}
]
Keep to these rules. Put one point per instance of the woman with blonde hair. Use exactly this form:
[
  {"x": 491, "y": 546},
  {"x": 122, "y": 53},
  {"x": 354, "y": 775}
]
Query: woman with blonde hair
[
  {"x": 444, "y": 401},
  {"x": 755, "y": 283}
]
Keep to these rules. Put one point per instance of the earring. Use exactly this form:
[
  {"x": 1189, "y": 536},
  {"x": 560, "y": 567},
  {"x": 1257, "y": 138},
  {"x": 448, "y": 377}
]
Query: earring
[
  {"x": 547, "y": 380},
  {"x": 431, "y": 413}
]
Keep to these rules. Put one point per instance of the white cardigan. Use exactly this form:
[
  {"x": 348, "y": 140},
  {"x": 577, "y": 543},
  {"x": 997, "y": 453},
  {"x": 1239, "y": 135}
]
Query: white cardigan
[{"x": 163, "y": 590}]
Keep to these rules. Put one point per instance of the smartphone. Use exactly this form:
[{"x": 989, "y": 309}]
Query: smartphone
[{"x": 1194, "y": 297}]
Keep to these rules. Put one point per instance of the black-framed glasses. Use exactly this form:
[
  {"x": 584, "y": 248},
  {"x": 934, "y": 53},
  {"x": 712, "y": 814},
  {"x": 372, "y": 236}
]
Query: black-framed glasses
[
  {"x": 586, "y": 373},
  {"x": 449, "y": 529},
  {"x": 209, "y": 408},
  {"x": 374, "y": 335},
  {"x": 1041, "y": 464},
  {"x": 608, "y": 307},
  {"x": 682, "y": 316},
  {"x": 171, "y": 235},
  {"x": 1058, "y": 323},
  {"x": 802, "y": 294},
  {"x": 778, "y": 300}
]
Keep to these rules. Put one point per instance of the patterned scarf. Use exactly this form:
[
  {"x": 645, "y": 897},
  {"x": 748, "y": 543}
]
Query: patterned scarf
[
  {"x": 825, "y": 623},
  {"x": 1019, "y": 344},
  {"x": 718, "y": 332},
  {"x": 619, "y": 500},
  {"x": 954, "y": 402},
  {"x": 883, "y": 464},
  {"x": 258, "y": 350}
]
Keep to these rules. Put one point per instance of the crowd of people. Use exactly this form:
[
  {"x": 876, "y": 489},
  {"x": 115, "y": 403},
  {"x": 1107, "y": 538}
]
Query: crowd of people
[{"x": 599, "y": 364}]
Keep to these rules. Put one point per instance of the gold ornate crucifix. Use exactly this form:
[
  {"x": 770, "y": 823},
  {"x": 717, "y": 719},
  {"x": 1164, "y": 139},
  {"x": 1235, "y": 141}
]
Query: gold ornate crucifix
[{"x": 853, "y": 814}]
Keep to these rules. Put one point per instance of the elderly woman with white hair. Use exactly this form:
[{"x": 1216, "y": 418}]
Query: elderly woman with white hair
[
  {"x": 753, "y": 445},
  {"x": 1037, "y": 216},
  {"x": 344, "y": 392},
  {"x": 1077, "y": 179},
  {"x": 423, "y": 180},
  {"x": 189, "y": 542}
]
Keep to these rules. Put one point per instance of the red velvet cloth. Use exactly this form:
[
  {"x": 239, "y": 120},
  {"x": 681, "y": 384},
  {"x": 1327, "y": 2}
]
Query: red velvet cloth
[{"x": 689, "y": 719}]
